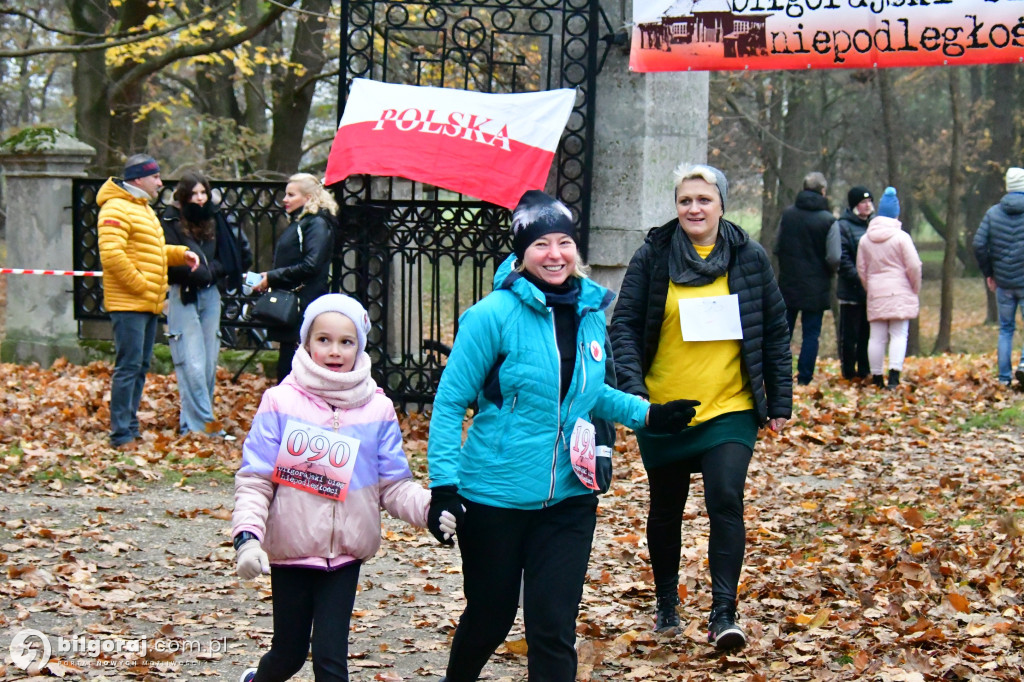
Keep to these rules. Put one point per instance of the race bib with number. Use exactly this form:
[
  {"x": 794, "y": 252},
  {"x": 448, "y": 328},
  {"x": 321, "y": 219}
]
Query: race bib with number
[
  {"x": 582, "y": 453},
  {"x": 315, "y": 460}
]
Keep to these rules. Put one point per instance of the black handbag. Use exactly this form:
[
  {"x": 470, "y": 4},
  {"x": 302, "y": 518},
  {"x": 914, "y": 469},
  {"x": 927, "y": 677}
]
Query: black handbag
[{"x": 277, "y": 309}]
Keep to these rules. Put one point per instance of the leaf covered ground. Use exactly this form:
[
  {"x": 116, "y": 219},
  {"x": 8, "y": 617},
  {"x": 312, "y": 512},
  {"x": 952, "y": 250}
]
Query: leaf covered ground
[{"x": 884, "y": 542}]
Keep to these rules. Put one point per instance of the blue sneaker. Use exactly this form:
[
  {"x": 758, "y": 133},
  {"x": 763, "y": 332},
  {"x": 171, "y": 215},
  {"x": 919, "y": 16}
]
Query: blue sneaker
[{"x": 248, "y": 676}]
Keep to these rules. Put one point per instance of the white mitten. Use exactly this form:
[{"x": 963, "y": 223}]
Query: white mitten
[
  {"x": 251, "y": 560},
  {"x": 448, "y": 524}
]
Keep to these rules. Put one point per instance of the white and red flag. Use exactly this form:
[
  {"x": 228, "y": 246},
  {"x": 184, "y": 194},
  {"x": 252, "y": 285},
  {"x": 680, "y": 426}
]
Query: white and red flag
[{"x": 490, "y": 146}]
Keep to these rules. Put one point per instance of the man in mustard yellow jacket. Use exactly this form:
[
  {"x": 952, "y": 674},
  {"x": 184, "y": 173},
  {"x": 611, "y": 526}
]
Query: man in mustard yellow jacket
[{"x": 135, "y": 260}]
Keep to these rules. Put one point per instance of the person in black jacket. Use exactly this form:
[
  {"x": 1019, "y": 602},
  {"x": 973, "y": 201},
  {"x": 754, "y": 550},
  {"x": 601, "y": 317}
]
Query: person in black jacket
[
  {"x": 700, "y": 315},
  {"x": 302, "y": 256},
  {"x": 804, "y": 274},
  {"x": 841, "y": 248},
  {"x": 193, "y": 299},
  {"x": 999, "y": 248}
]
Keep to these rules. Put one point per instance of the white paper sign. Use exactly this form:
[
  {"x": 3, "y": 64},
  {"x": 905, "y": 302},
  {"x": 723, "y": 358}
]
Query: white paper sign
[{"x": 712, "y": 318}]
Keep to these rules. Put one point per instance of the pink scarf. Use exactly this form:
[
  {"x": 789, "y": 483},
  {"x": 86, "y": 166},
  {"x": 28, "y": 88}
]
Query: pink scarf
[{"x": 345, "y": 390}]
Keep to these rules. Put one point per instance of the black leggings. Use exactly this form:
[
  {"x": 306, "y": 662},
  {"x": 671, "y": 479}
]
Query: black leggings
[
  {"x": 307, "y": 599},
  {"x": 547, "y": 551},
  {"x": 724, "y": 468}
]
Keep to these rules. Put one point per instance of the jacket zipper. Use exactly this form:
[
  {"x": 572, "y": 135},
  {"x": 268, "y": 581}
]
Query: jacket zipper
[
  {"x": 558, "y": 412},
  {"x": 335, "y": 425}
]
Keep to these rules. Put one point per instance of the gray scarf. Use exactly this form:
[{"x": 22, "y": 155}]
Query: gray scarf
[{"x": 686, "y": 267}]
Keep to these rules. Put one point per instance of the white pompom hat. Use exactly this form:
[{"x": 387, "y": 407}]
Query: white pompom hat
[{"x": 337, "y": 303}]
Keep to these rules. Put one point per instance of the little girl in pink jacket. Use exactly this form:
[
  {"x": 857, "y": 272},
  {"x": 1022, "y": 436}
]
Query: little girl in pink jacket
[
  {"x": 890, "y": 270},
  {"x": 322, "y": 458}
]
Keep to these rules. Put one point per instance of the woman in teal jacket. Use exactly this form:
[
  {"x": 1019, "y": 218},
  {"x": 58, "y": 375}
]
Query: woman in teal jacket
[{"x": 531, "y": 355}]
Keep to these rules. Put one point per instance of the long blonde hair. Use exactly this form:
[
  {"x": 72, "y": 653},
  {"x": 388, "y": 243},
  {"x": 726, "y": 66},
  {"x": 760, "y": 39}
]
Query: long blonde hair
[{"x": 318, "y": 197}]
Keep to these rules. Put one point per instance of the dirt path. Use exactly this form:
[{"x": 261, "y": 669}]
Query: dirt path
[{"x": 158, "y": 564}]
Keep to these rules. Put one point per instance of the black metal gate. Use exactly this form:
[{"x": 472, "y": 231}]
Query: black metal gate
[{"x": 416, "y": 255}]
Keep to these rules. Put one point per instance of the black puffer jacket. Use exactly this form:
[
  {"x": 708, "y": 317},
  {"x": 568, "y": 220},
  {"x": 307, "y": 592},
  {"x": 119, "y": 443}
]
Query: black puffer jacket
[
  {"x": 307, "y": 265},
  {"x": 843, "y": 240},
  {"x": 999, "y": 242},
  {"x": 223, "y": 259},
  {"x": 804, "y": 274},
  {"x": 636, "y": 323}
]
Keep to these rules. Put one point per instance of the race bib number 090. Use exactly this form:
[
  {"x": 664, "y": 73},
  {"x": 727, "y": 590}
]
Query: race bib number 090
[{"x": 315, "y": 460}]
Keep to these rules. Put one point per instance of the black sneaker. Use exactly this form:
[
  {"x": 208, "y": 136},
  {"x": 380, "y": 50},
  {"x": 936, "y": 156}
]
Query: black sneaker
[
  {"x": 1019, "y": 374},
  {"x": 723, "y": 633},
  {"x": 665, "y": 616}
]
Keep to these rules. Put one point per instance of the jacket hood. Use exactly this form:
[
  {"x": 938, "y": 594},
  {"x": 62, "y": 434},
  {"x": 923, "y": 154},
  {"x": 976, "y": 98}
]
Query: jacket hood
[
  {"x": 807, "y": 200},
  {"x": 1013, "y": 203},
  {"x": 114, "y": 188},
  {"x": 592, "y": 295},
  {"x": 881, "y": 228}
]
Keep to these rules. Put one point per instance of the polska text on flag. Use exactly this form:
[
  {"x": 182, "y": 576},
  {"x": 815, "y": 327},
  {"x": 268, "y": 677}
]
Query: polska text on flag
[{"x": 490, "y": 146}]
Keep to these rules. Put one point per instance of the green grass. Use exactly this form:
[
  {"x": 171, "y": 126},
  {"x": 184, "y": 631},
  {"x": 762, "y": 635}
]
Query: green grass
[{"x": 997, "y": 419}]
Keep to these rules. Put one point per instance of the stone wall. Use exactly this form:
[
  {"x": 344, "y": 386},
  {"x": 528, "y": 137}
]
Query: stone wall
[{"x": 38, "y": 166}]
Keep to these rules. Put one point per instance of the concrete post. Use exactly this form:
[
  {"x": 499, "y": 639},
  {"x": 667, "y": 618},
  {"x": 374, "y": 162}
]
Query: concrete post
[
  {"x": 38, "y": 166},
  {"x": 646, "y": 125}
]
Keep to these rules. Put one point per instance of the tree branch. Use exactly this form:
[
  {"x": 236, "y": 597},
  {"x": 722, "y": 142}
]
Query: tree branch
[
  {"x": 147, "y": 68},
  {"x": 123, "y": 38}
]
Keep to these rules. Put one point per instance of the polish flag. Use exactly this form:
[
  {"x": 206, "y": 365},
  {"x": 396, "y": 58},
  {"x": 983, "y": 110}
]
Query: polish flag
[{"x": 494, "y": 147}]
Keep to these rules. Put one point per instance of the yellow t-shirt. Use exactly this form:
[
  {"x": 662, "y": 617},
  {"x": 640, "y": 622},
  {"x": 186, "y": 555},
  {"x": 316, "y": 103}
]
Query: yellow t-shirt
[{"x": 709, "y": 371}]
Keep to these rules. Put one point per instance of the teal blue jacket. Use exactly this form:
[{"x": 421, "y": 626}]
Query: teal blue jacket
[{"x": 505, "y": 358}]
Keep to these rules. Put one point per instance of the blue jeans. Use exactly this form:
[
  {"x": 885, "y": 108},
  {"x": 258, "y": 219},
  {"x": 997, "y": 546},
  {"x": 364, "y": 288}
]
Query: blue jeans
[
  {"x": 193, "y": 333},
  {"x": 1008, "y": 300},
  {"x": 808, "y": 343},
  {"x": 134, "y": 334}
]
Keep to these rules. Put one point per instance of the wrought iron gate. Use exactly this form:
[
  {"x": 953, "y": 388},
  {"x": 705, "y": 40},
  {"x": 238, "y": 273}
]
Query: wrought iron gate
[{"x": 417, "y": 255}]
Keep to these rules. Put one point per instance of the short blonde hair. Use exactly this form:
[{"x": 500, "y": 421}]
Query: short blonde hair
[
  {"x": 317, "y": 197},
  {"x": 700, "y": 171}
]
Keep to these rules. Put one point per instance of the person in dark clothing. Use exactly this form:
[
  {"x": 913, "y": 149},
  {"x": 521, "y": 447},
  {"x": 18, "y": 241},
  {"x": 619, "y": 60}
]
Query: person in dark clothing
[
  {"x": 302, "y": 256},
  {"x": 843, "y": 239},
  {"x": 999, "y": 248},
  {"x": 804, "y": 274},
  {"x": 664, "y": 347},
  {"x": 193, "y": 300}
]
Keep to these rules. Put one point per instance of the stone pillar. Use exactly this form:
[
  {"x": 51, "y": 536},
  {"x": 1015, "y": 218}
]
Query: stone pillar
[
  {"x": 646, "y": 125},
  {"x": 38, "y": 165}
]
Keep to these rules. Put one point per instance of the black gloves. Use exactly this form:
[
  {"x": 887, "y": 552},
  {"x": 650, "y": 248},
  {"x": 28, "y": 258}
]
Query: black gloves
[
  {"x": 444, "y": 498},
  {"x": 671, "y": 417}
]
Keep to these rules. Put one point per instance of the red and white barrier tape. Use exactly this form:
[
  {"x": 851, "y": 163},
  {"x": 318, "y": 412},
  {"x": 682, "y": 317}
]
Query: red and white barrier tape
[{"x": 66, "y": 273}]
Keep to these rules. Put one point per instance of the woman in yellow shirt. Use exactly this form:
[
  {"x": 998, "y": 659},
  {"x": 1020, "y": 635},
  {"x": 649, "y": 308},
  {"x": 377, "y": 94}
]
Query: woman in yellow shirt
[{"x": 700, "y": 314}]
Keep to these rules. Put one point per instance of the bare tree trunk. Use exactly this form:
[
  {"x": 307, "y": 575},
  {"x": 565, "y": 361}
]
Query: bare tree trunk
[
  {"x": 291, "y": 110},
  {"x": 943, "y": 342},
  {"x": 90, "y": 83},
  {"x": 770, "y": 115},
  {"x": 1002, "y": 156}
]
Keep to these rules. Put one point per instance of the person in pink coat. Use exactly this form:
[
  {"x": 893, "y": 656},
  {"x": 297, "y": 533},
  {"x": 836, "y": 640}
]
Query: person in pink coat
[
  {"x": 323, "y": 457},
  {"x": 890, "y": 269}
]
